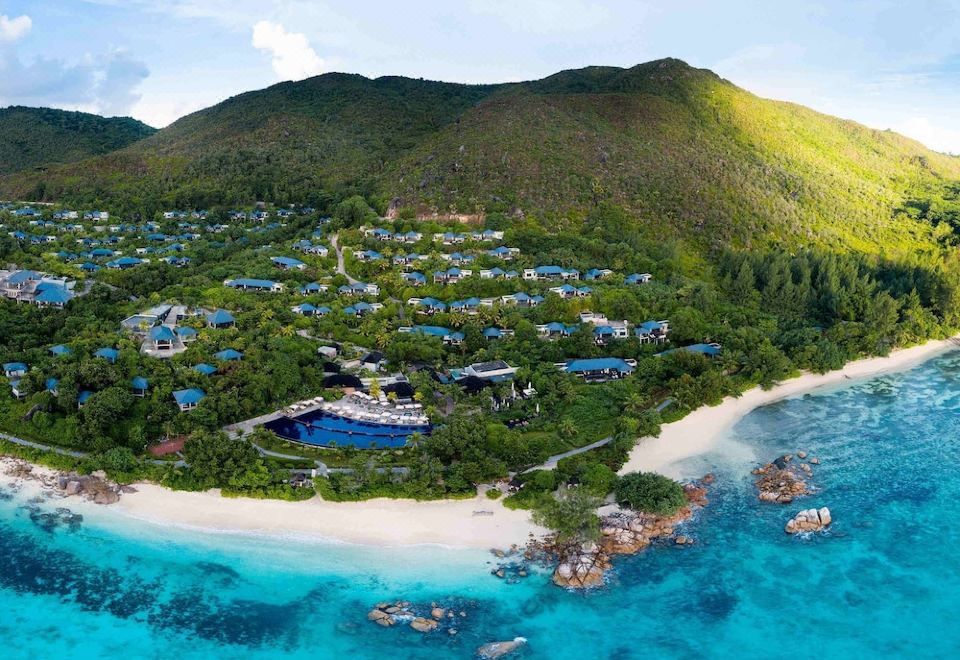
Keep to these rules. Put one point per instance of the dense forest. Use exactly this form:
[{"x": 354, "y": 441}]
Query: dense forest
[{"x": 42, "y": 137}]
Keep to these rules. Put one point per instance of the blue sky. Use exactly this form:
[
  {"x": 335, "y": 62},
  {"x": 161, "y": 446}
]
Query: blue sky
[{"x": 884, "y": 63}]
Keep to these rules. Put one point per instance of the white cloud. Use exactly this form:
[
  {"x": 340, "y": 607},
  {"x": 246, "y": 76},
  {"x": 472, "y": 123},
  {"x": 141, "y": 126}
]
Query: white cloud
[
  {"x": 105, "y": 84},
  {"x": 12, "y": 29},
  {"x": 934, "y": 136},
  {"x": 292, "y": 56}
]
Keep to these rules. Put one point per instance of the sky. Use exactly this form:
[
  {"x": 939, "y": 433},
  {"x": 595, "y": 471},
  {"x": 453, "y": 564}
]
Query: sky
[{"x": 887, "y": 64}]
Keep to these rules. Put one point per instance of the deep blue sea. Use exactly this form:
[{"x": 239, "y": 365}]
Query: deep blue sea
[{"x": 883, "y": 582}]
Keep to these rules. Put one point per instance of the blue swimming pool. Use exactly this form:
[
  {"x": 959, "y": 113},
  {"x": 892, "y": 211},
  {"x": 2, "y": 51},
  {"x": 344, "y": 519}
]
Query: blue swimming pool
[{"x": 325, "y": 430}]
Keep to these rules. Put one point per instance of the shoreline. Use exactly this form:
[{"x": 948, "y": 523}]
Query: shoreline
[
  {"x": 379, "y": 522},
  {"x": 387, "y": 522},
  {"x": 701, "y": 430}
]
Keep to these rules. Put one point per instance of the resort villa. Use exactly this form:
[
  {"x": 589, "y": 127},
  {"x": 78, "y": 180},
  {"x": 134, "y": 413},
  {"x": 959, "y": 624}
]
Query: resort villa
[
  {"x": 220, "y": 320},
  {"x": 652, "y": 332},
  {"x": 188, "y": 399},
  {"x": 495, "y": 371},
  {"x": 288, "y": 263},
  {"x": 550, "y": 273},
  {"x": 599, "y": 369},
  {"x": 450, "y": 337},
  {"x": 250, "y": 284}
]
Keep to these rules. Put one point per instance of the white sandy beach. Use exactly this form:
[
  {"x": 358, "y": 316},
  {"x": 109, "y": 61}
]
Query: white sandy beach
[
  {"x": 699, "y": 432},
  {"x": 374, "y": 522}
]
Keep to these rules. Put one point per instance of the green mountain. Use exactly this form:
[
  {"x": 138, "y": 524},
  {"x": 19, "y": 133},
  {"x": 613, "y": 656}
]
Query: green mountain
[
  {"x": 40, "y": 137},
  {"x": 684, "y": 151}
]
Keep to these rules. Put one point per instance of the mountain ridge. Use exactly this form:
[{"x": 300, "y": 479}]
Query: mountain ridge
[{"x": 685, "y": 151}]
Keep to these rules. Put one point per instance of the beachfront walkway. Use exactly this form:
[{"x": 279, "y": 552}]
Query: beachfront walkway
[
  {"x": 551, "y": 463},
  {"x": 69, "y": 452}
]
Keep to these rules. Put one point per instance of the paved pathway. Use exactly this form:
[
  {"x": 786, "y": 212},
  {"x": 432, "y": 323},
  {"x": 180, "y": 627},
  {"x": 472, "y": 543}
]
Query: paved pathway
[
  {"x": 70, "y": 452},
  {"x": 551, "y": 462},
  {"x": 36, "y": 445},
  {"x": 340, "y": 267}
]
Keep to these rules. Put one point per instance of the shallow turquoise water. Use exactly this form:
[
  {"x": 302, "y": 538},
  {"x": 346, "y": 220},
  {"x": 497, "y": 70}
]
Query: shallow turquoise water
[{"x": 884, "y": 582}]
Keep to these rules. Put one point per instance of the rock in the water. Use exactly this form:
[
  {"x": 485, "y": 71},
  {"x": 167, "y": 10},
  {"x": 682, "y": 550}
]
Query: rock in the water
[
  {"x": 437, "y": 612},
  {"x": 423, "y": 625},
  {"x": 381, "y": 617},
  {"x": 500, "y": 649},
  {"x": 809, "y": 520},
  {"x": 779, "y": 482}
]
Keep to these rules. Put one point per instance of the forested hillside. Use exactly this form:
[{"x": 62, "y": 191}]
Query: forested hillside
[
  {"x": 686, "y": 153},
  {"x": 40, "y": 137}
]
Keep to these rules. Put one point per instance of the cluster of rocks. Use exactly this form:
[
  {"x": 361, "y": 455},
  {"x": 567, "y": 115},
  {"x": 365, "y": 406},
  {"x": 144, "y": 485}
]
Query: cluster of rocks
[
  {"x": 401, "y": 611},
  {"x": 810, "y": 520},
  {"x": 94, "y": 487},
  {"x": 782, "y": 480},
  {"x": 50, "y": 521},
  {"x": 624, "y": 533},
  {"x": 515, "y": 564}
]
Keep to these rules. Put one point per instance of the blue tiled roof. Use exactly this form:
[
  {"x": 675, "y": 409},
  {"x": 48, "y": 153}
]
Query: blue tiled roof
[
  {"x": 23, "y": 276},
  {"x": 288, "y": 262},
  {"x": 161, "y": 333},
  {"x": 60, "y": 349},
  {"x": 190, "y": 396},
  {"x": 108, "y": 353},
  {"x": 54, "y": 295},
  {"x": 139, "y": 383},
  {"x": 205, "y": 369},
  {"x": 599, "y": 364},
  {"x": 220, "y": 317},
  {"x": 251, "y": 283},
  {"x": 228, "y": 355}
]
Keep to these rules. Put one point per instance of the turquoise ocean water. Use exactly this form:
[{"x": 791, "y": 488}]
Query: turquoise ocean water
[{"x": 884, "y": 582}]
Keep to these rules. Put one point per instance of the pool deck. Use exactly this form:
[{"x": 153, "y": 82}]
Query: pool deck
[{"x": 246, "y": 427}]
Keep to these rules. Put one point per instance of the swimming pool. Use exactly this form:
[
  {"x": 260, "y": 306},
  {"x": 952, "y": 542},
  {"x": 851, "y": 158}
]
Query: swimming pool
[{"x": 326, "y": 430}]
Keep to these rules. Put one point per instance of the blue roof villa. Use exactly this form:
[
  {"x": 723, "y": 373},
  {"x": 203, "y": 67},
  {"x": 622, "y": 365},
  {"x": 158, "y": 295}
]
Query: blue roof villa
[
  {"x": 108, "y": 354},
  {"x": 600, "y": 369},
  {"x": 228, "y": 355},
  {"x": 188, "y": 399},
  {"x": 14, "y": 369},
  {"x": 139, "y": 386},
  {"x": 220, "y": 319}
]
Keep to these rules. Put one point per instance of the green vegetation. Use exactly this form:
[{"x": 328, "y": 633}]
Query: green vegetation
[
  {"x": 688, "y": 154},
  {"x": 571, "y": 513},
  {"x": 793, "y": 240},
  {"x": 650, "y": 493},
  {"x": 42, "y": 137}
]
